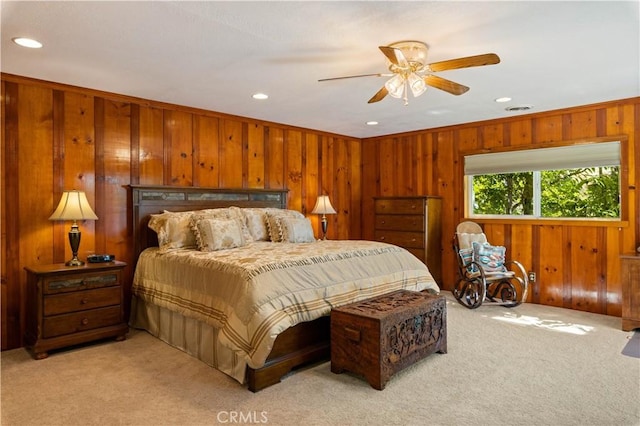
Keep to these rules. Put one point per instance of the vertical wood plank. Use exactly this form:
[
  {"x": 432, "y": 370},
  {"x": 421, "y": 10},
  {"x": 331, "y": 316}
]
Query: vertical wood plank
[
  {"x": 230, "y": 151},
  {"x": 34, "y": 197},
  {"x": 548, "y": 129},
  {"x": 151, "y": 146},
  {"x": 255, "y": 156},
  {"x": 206, "y": 151},
  {"x": 12, "y": 302},
  {"x": 79, "y": 163},
  {"x": 275, "y": 158},
  {"x": 178, "y": 134},
  {"x": 551, "y": 273},
  {"x": 293, "y": 172}
]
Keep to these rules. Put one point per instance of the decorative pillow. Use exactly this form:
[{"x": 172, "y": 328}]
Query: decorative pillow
[
  {"x": 223, "y": 213},
  {"x": 295, "y": 230},
  {"x": 465, "y": 240},
  {"x": 173, "y": 229},
  {"x": 466, "y": 255},
  {"x": 218, "y": 234},
  {"x": 256, "y": 221},
  {"x": 490, "y": 258},
  {"x": 274, "y": 228}
]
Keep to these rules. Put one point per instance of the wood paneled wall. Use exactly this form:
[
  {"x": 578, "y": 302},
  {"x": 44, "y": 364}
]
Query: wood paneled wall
[
  {"x": 577, "y": 264},
  {"x": 57, "y": 137}
]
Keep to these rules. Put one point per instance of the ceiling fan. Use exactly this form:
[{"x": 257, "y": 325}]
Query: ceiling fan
[{"x": 409, "y": 72}]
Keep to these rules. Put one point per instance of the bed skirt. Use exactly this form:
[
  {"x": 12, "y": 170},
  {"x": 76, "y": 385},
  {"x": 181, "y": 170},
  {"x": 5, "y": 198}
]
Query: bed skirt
[{"x": 196, "y": 338}]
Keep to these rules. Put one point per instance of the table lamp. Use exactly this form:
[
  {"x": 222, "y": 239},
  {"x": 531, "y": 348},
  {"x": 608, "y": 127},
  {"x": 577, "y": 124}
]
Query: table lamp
[
  {"x": 74, "y": 206},
  {"x": 324, "y": 207}
]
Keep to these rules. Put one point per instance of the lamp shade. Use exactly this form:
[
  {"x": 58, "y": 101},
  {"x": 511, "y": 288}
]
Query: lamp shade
[
  {"x": 73, "y": 205},
  {"x": 323, "y": 206}
]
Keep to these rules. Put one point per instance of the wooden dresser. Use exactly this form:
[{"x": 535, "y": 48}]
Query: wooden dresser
[
  {"x": 69, "y": 305},
  {"x": 630, "y": 280},
  {"x": 412, "y": 223}
]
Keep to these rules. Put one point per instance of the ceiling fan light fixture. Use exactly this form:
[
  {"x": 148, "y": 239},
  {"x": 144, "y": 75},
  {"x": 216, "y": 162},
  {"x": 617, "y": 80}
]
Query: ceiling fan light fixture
[
  {"x": 417, "y": 85},
  {"x": 395, "y": 86}
]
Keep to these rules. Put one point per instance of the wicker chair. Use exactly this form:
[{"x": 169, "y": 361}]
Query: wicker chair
[{"x": 484, "y": 274}]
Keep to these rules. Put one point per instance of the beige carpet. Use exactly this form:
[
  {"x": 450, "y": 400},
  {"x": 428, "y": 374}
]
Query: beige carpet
[{"x": 532, "y": 365}]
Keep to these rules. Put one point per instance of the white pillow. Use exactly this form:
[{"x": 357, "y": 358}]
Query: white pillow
[
  {"x": 296, "y": 230},
  {"x": 218, "y": 234}
]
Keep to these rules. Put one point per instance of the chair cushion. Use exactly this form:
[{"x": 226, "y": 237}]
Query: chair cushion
[
  {"x": 490, "y": 258},
  {"x": 465, "y": 240}
]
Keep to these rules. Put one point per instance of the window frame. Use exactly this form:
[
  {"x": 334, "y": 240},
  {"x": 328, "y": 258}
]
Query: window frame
[{"x": 622, "y": 221}]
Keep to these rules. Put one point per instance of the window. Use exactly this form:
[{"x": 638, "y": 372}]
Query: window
[{"x": 578, "y": 181}]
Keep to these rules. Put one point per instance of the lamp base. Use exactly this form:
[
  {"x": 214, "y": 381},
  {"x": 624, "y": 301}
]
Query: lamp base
[{"x": 75, "y": 262}]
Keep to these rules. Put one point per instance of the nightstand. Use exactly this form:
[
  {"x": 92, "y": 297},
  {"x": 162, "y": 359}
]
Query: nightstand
[{"x": 69, "y": 305}]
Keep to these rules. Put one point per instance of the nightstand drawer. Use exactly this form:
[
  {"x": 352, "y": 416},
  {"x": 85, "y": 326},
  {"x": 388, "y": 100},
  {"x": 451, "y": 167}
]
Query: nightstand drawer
[
  {"x": 400, "y": 222},
  {"x": 86, "y": 320},
  {"x": 81, "y": 300},
  {"x": 403, "y": 239},
  {"x": 75, "y": 282}
]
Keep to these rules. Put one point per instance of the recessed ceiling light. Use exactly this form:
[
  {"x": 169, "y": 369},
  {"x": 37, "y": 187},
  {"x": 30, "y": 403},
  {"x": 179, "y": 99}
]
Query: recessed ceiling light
[
  {"x": 27, "y": 42},
  {"x": 519, "y": 108},
  {"x": 504, "y": 99},
  {"x": 372, "y": 123},
  {"x": 260, "y": 96}
]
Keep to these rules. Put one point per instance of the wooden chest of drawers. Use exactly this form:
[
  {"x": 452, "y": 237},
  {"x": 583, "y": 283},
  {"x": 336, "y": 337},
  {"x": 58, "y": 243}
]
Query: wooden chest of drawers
[
  {"x": 630, "y": 280},
  {"x": 378, "y": 337},
  {"x": 72, "y": 305},
  {"x": 412, "y": 223}
]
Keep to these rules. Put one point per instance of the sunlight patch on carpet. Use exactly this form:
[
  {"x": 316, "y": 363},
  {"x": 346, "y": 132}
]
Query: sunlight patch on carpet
[{"x": 553, "y": 325}]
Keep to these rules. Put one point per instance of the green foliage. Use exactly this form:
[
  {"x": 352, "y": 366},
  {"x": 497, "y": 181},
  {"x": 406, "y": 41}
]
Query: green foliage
[{"x": 587, "y": 192}]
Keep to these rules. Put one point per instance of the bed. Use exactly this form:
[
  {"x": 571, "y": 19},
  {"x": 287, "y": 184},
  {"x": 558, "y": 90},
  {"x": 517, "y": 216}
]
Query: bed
[{"x": 253, "y": 309}]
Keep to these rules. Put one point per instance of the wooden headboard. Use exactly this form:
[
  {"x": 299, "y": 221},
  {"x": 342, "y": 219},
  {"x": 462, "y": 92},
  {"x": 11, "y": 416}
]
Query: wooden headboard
[{"x": 148, "y": 200}]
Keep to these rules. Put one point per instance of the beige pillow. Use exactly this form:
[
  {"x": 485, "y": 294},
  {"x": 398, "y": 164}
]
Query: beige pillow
[
  {"x": 296, "y": 230},
  {"x": 274, "y": 228},
  {"x": 218, "y": 234},
  {"x": 256, "y": 222},
  {"x": 174, "y": 230},
  {"x": 465, "y": 240},
  {"x": 223, "y": 213}
]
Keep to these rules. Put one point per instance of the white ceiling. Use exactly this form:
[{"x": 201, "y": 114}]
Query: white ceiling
[{"x": 215, "y": 55}]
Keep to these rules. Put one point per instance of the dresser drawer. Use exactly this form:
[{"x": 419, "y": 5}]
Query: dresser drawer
[
  {"x": 403, "y": 239},
  {"x": 85, "y": 320},
  {"x": 400, "y": 222},
  {"x": 75, "y": 282},
  {"x": 81, "y": 300},
  {"x": 399, "y": 206}
]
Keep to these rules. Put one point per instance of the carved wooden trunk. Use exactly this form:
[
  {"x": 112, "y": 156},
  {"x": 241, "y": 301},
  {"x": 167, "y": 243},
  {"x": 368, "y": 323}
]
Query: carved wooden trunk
[{"x": 378, "y": 337}]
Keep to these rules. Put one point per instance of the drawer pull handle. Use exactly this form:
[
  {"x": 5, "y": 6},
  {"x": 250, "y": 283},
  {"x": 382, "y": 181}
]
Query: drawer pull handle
[
  {"x": 85, "y": 321},
  {"x": 413, "y": 240},
  {"x": 384, "y": 221},
  {"x": 381, "y": 238},
  {"x": 84, "y": 301}
]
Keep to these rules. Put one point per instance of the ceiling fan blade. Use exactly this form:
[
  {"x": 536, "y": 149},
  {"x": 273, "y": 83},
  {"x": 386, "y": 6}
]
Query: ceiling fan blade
[
  {"x": 355, "y": 76},
  {"x": 446, "y": 85},
  {"x": 395, "y": 56},
  {"x": 469, "y": 61},
  {"x": 379, "y": 96}
]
